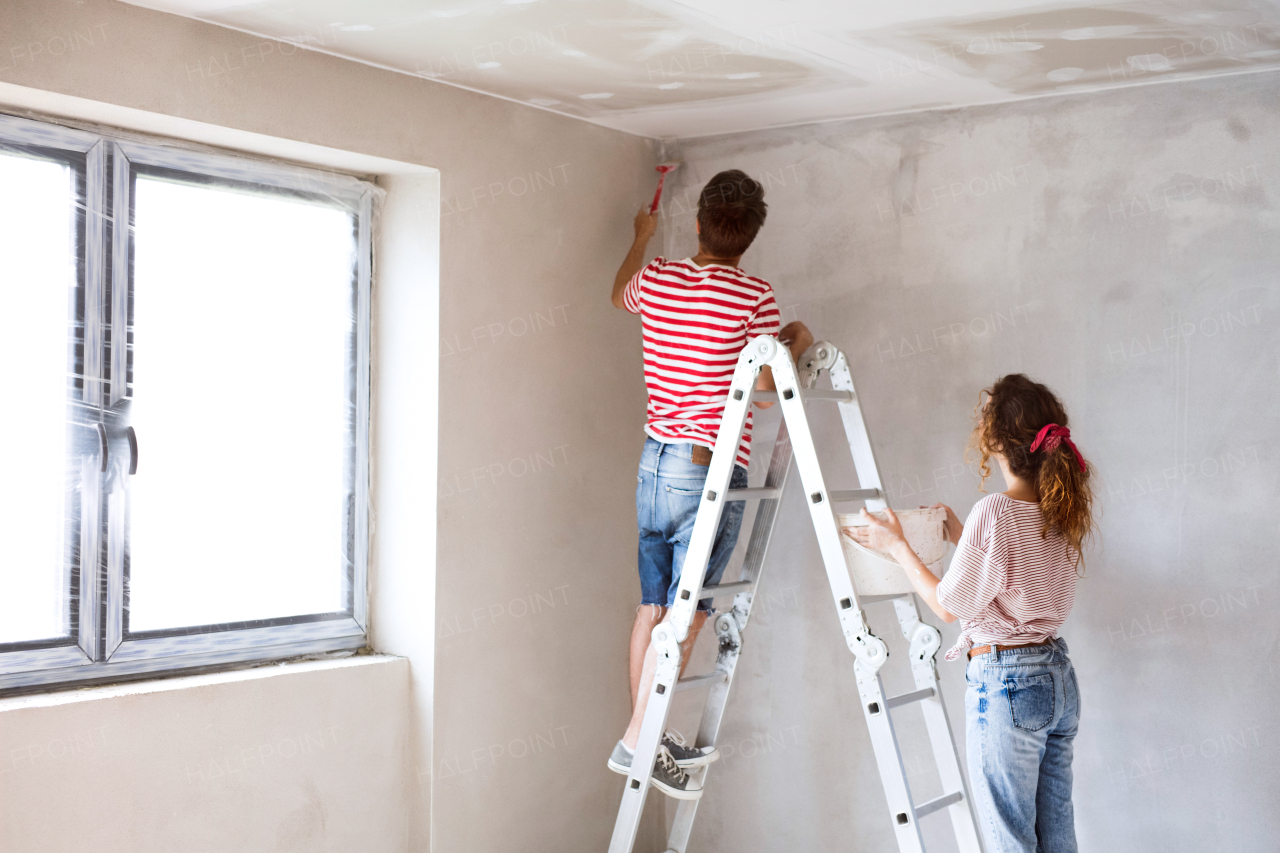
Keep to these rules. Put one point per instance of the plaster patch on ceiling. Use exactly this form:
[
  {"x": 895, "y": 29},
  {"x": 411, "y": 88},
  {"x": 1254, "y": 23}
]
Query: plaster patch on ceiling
[
  {"x": 1090, "y": 46},
  {"x": 588, "y": 57}
]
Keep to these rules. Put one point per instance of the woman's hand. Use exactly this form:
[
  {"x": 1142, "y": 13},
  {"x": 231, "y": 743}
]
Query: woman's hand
[
  {"x": 951, "y": 527},
  {"x": 887, "y": 536},
  {"x": 878, "y": 535}
]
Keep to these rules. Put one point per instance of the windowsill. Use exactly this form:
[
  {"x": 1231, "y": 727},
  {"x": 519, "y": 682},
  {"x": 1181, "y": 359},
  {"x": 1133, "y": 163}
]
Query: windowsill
[{"x": 188, "y": 682}]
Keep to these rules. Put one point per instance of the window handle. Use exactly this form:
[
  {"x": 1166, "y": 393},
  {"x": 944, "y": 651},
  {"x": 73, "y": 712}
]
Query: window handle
[
  {"x": 133, "y": 450},
  {"x": 102, "y": 446}
]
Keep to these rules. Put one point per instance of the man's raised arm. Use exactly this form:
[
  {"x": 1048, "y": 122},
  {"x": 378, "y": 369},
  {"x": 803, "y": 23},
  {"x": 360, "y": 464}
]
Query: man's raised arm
[{"x": 645, "y": 224}]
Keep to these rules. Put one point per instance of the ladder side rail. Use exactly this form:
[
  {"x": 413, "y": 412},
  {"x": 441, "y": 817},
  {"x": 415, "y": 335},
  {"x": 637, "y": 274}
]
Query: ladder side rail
[
  {"x": 884, "y": 744},
  {"x": 668, "y": 634},
  {"x": 730, "y": 626},
  {"x": 754, "y": 355},
  {"x": 864, "y": 645},
  {"x": 730, "y": 648},
  {"x": 925, "y": 640},
  {"x": 655, "y": 721},
  {"x": 963, "y": 818},
  {"x": 767, "y": 513},
  {"x": 762, "y": 528},
  {"x": 855, "y": 430},
  {"x": 869, "y": 651}
]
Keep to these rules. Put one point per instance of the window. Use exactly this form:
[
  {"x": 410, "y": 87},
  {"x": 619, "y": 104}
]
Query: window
[{"x": 187, "y": 352}]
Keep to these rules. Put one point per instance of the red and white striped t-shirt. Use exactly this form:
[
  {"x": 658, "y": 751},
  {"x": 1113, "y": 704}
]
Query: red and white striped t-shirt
[
  {"x": 1007, "y": 583},
  {"x": 696, "y": 320}
]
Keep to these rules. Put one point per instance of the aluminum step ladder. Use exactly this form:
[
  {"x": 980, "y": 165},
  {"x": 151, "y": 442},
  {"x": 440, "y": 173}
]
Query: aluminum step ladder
[{"x": 795, "y": 388}]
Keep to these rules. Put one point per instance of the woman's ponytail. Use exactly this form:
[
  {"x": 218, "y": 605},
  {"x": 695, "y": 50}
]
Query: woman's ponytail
[{"x": 1066, "y": 498}]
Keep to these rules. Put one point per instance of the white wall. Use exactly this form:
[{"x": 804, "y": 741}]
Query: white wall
[
  {"x": 1122, "y": 248},
  {"x": 534, "y": 218},
  {"x": 303, "y": 757}
]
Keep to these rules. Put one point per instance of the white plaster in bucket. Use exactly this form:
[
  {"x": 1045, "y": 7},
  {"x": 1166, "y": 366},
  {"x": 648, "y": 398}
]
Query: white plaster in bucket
[{"x": 876, "y": 572}]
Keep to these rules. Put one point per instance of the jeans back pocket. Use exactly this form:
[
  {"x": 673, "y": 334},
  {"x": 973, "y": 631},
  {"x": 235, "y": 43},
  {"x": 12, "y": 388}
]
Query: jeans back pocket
[{"x": 1032, "y": 699}]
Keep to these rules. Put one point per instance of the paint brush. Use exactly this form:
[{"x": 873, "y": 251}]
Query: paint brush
[{"x": 663, "y": 169}]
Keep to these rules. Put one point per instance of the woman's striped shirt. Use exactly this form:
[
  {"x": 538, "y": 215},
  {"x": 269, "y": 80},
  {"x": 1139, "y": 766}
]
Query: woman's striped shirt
[
  {"x": 696, "y": 320},
  {"x": 1007, "y": 583}
]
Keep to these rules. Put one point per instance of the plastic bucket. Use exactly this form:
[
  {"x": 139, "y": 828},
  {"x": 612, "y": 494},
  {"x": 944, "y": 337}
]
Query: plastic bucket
[{"x": 877, "y": 573}]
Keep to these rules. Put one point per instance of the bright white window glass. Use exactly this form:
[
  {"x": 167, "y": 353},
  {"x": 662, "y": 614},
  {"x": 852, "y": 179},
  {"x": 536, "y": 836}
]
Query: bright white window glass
[
  {"x": 242, "y": 323},
  {"x": 37, "y": 277}
]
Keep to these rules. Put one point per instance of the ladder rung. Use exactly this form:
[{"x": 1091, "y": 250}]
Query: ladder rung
[
  {"x": 696, "y": 681},
  {"x": 940, "y": 803},
  {"x": 873, "y": 599},
  {"x": 721, "y": 589},
  {"x": 752, "y": 494},
  {"x": 908, "y": 698},
  {"x": 808, "y": 394},
  {"x": 841, "y": 496}
]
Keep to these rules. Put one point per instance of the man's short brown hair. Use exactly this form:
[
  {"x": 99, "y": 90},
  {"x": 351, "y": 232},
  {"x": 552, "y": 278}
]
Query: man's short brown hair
[{"x": 731, "y": 210}]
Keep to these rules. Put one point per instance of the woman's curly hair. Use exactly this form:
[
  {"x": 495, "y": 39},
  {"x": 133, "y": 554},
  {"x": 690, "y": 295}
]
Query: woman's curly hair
[{"x": 1009, "y": 416}]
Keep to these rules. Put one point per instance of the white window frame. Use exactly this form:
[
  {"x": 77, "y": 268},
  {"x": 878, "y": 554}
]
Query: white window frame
[{"x": 98, "y": 651}]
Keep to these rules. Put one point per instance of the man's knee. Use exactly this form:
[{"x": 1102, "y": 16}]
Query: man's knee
[{"x": 651, "y": 614}]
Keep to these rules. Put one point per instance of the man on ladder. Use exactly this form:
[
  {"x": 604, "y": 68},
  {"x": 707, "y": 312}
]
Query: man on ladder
[{"x": 697, "y": 316}]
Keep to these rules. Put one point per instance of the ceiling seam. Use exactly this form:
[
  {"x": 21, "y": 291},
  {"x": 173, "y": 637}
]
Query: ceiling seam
[{"x": 1013, "y": 100}]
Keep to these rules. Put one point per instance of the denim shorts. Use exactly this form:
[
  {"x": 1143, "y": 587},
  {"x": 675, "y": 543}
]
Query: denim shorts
[
  {"x": 668, "y": 493},
  {"x": 1022, "y": 712}
]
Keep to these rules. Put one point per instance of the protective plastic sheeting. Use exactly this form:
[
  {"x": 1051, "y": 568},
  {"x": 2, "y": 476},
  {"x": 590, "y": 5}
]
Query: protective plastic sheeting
[
  {"x": 242, "y": 332},
  {"x": 37, "y": 281}
]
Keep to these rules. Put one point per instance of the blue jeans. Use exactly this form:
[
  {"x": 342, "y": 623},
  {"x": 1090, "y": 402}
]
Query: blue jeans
[
  {"x": 668, "y": 494},
  {"x": 1021, "y": 710}
]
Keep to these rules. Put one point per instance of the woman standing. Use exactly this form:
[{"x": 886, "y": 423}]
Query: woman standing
[{"x": 1012, "y": 585}]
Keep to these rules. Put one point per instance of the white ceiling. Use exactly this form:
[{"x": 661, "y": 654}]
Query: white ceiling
[{"x": 675, "y": 68}]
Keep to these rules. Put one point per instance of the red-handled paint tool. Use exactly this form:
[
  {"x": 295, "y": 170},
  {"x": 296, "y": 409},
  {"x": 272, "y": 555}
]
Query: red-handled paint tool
[{"x": 662, "y": 168}]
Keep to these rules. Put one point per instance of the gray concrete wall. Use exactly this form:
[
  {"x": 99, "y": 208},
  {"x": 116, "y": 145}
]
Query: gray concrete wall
[{"x": 1123, "y": 248}]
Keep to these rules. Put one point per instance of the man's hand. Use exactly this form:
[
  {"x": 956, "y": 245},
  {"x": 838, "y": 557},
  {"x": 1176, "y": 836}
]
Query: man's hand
[
  {"x": 796, "y": 337},
  {"x": 646, "y": 223}
]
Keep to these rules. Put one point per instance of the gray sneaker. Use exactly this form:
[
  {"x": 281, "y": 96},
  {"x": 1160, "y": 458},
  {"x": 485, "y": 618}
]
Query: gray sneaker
[
  {"x": 688, "y": 756},
  {"x": 671, "y": 780},
  {"x": 667, "y": 775},
  {"x": 620, "y": 761}
]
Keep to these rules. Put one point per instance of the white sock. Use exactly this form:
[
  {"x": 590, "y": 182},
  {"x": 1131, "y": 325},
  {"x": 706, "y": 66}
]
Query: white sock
[{"x": 629, "y": 750}]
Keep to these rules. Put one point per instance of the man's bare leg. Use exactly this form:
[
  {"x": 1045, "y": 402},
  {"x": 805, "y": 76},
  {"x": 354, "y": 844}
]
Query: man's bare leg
[
  {"x": 646, "y": 676},
  {"x": 647, "y": 618}
]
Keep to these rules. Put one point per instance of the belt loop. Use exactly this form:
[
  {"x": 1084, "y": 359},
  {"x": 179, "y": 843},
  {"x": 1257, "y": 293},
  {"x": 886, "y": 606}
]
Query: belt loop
[{"x": 995, "y": 653}]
